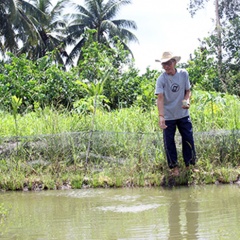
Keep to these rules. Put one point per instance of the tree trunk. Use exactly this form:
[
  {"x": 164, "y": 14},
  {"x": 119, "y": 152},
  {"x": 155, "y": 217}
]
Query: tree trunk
[{"x": 219, "y": 45}]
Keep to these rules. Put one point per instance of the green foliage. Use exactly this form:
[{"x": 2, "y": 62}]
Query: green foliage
[
  {"x": 230, "y": 39},
  {"x": 16, "y": 103},
  {"x": 115, "y": 160},
  {"x": 202, "y": 70},
  {"x": 203, "y": 73},
  {"x": 104, "y": 72},
  {"x": 126, "y": 147},
  {"x": 216, "y": 64},
  {"x": 213, "y": 110},
  {"x": 38, "y": 83},
  {"x": 209, "y": 110},
  {"x": 30, "y": 27},
  {"x": 146, "y": 98},
  {"x": 99, "y": 16},
  {"x": 195, "y": 5},
  {"x": 114, "y": 67}
]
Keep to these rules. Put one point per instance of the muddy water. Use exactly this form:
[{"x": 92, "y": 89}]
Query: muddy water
[{"x": 209, "y": 212}]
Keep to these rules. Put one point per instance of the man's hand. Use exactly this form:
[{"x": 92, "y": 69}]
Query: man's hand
[
  {"x": 162, "y": 124},
  {"x": 185, "y": 104}
]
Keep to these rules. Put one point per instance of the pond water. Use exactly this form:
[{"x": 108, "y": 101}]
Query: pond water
[{"x": 205, "y": 212}]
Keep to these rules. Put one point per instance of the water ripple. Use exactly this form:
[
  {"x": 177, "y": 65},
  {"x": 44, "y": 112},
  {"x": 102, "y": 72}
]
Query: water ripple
[{"x": 131, "y": 209}]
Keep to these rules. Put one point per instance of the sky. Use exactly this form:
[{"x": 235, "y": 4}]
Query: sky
[{"x": 165, "y": 25}]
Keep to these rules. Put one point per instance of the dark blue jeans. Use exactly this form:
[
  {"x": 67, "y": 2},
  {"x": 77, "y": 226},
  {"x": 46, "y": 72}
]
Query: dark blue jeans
[{"x": 184, "y": 126}]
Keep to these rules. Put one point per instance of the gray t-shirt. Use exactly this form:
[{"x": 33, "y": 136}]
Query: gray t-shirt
[{"x": 173, "y": 89}]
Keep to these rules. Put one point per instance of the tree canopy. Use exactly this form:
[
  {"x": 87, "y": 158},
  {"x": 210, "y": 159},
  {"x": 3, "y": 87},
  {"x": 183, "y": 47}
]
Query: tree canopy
[
  {"x": 101, "y": 16},
  {"x": 222, "y": 47},
  {"x": 36, "y": 27}
]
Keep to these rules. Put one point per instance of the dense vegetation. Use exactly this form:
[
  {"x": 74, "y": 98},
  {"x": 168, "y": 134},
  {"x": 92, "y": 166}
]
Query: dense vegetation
[
  {"x": 61, "y": 130},
  {"x": 35, "y": 27},
  {"x": 51, "y": 149},
  {"x": 95, "y": 124}
]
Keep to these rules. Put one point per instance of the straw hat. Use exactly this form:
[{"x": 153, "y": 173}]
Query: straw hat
[{"x": 166, "y": 56}]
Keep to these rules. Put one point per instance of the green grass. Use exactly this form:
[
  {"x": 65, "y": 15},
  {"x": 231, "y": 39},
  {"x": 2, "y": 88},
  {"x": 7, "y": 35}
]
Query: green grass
[{"x": 50, "y": 149}]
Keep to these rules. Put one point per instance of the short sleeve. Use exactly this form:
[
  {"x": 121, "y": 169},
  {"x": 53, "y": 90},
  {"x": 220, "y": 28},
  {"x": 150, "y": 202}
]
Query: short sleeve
[
  {"x": 188, "y": 85},
  {"x": 159, "y": 85}
]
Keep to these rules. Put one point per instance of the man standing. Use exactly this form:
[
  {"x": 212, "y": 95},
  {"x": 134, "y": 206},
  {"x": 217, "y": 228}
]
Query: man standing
[{"x": 173, "y": 101}]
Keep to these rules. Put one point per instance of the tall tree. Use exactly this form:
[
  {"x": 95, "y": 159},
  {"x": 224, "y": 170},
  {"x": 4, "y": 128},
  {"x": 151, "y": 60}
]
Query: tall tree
[
  {"x": 50, "y": 27},
  {"x": 15, "y": 25},
  {"x": 225, "y": 11},
  {"x": 228, "y": 8},
  {"x": 33, "y": 27},
  {"x": 99, "y": 15}
]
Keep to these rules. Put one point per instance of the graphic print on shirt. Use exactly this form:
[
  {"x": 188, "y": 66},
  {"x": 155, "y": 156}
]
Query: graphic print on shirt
[{"x": 175, "y": 87}]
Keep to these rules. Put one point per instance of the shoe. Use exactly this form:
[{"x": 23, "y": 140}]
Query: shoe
[
  {"x": 192, "y": 169},
  {"x": 175, "y": 172}
]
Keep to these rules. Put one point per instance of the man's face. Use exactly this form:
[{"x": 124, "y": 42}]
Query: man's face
[{"x": 169, "y": 66}]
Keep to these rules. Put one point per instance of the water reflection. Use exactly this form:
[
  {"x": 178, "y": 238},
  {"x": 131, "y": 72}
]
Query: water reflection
[
  {"x": 192, "y": 217},
  {"x": 183, "y": 215},
  {"x": 209, "y": 212},
  {"x": 174, "y": 218}
]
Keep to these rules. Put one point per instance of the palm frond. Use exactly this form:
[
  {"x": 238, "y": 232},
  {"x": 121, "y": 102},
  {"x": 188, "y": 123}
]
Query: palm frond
[
  {"x": 76, "y": 51},
  {"x": 112, "y": 8},
  {"x": 122, "y": 23}
]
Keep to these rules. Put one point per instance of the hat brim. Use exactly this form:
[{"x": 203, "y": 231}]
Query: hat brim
[{"x": 177, "y": 59}]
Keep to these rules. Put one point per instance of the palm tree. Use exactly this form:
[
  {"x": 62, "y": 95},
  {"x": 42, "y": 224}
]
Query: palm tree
[
  {"x": 7, "y": 40},
  {"x": 49, "y": 26},
  {"x": 32, "y": 27},
  {"x": 99, "y": 15},
  {"x": 14, "y": 25}
]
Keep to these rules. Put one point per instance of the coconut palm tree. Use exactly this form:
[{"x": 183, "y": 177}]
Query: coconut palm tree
[
  {"x": 33, "y": 27},
  {"x": 7, "y": 39},
  {"x": 15, "y": 25},
  {"x": 99, "y": 15},
  {"x": 50, "y": 28}
]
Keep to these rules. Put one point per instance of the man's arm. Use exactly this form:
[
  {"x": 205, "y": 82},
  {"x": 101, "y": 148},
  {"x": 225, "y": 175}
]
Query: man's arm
[
  {"x": 160, "y": 101},
  {"x": 187, "y": 99},
  {"x": 187, "y": 95}
]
